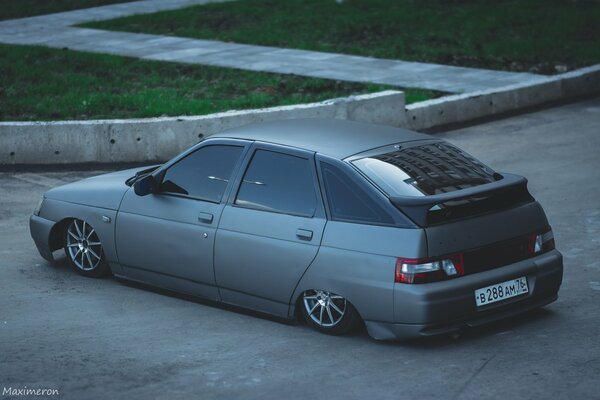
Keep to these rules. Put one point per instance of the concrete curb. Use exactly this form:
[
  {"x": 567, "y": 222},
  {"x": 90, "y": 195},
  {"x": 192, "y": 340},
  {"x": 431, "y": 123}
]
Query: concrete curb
[
  {"x": 158, "y": 139},
  {"x": 465, "y": 107}
]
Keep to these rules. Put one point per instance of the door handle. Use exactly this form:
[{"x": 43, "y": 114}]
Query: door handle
[
  {"x": 205, "y": 217},
  {"x": 304, "y": 234}
]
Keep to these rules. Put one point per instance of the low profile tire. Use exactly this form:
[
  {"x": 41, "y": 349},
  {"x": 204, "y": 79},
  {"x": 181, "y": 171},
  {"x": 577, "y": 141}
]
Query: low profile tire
[
  {"x": 328, "y": 312},
  {"x": 84, "y": 250}
]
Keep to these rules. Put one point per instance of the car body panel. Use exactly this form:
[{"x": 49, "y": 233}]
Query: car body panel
[
  {"x": 168, "y": 282},
  {"x": 272, "y": 250},
  {"x": 448, "y": 306},
  {"x": 269, "y": 257},
  {"x": 454, "y": 299},
  {"x": 332, "y": 137},
  {"x": 373, "y": 239},
  {"x": 482, "y": 230},
  {"x": 152, "y": 230},
  {"x": 40, "y": 229},
  {"x": 365, "y": 280},
  {"x": 164, "y": 234},
  {"x": 101, "y": 219},
  {"x": 102, "y": 191},
  {"x": 358, "y": 261}
]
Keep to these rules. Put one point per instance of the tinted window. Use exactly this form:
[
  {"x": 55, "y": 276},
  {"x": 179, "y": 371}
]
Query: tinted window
[
  {"x": 425, "y": 170},
  {"x": 280, "y": 183},
  {"x": 348, "y": 201},
  {"x": 204, "y": 174}
]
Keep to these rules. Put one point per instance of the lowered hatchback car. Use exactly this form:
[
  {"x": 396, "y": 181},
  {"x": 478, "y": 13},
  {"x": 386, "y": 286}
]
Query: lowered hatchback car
[{"x": 336, "y": 221}]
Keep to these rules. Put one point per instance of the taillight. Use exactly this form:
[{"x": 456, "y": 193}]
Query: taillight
[
  {"x": 541, "y": 242},
  {"x": 424, "y": 270}
]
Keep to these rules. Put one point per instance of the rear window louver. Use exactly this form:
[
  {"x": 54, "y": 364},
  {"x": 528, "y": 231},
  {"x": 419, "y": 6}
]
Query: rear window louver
[{"x": 439, "y": 168}]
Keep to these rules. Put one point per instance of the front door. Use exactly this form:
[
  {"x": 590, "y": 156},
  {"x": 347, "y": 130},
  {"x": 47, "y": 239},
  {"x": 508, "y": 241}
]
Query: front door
[
  {"x": 167, "y": 238},
  {"x": 270, "y": 230}
]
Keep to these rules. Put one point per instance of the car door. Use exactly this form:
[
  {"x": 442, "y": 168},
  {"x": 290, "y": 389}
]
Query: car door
[
  {"x": 270, "y": 230},
  {"x": 167, "y": 238}
]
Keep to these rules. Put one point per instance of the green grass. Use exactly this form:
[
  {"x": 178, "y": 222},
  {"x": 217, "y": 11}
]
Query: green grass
[
  {"x": 37, "y": 83},
  {"x": 11, "y": 9},
  {"x": 544, "y": 36}
]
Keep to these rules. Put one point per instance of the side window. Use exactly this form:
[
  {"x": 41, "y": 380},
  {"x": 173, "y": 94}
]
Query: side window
[
  {"x": 280, "y": 183},
  {"x": 203, "y": 174},
  {"x": 348, "y": 201}
]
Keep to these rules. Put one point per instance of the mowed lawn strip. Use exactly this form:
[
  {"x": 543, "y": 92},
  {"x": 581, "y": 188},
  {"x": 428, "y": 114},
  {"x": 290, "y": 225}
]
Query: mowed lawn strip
[
  {"x": 543, "y": 36},
  {"x": 37, "y": 83},
  {"x": 12, "y": 9}
]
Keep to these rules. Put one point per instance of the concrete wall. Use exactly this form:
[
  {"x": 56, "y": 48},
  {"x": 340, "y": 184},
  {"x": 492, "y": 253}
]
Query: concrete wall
[
  {"x": 158, "y": 139},
  {"x": 464, "y": 107},
  {"x": 150, "y": 139}
]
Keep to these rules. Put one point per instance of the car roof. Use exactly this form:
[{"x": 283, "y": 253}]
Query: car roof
[{"x": 333, "y": 137}]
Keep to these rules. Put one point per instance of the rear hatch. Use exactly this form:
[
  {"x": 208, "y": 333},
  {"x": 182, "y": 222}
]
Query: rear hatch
[{"x": 462, "y": 204}]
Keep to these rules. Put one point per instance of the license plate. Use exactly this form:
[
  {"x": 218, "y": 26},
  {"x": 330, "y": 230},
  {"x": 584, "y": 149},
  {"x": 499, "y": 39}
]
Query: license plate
[{"x": 501, "y": 291}]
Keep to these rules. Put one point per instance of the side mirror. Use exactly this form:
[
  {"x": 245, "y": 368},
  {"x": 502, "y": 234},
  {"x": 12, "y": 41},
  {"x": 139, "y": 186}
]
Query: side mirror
[{"x": 144, "y": 186}]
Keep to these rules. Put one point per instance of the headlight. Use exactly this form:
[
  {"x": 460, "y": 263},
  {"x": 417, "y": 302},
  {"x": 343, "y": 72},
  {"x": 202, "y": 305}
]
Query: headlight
[{"x": 37, "y": 209}]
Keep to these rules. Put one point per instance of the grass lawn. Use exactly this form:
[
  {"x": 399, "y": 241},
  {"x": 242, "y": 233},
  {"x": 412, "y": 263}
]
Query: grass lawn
[
  {"x": 37, "y": 83},
  {"x": 10, "y": 9},
  {"x": 544, "y": 36}
]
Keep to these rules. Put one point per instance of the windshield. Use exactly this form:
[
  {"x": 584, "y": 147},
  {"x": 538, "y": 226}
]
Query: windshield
[{"x": 425, "y": 170}]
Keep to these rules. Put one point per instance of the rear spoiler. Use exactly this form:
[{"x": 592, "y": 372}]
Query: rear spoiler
[{"x": 417, "y": 208}]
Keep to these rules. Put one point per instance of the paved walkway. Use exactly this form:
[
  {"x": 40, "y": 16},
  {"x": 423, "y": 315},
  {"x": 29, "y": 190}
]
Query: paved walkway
[{"x": 57, "y": 30}]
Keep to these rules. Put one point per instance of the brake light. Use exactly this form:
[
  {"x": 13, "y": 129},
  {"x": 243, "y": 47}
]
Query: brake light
[
  {"x": 424, "y": 270},
  {"x": 541, "y": 242}
]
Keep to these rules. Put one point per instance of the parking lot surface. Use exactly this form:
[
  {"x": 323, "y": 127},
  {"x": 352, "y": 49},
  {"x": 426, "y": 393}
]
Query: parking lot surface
[{"x": 104, "y": 339}]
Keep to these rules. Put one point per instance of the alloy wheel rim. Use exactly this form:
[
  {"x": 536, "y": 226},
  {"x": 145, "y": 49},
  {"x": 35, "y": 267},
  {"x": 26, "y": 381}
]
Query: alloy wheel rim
[
  {"x": 325, "y": 308},
  {"x": 83, "y": 245}
]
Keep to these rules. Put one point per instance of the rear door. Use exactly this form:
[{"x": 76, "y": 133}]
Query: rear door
[{"x": 270, "y": 229}]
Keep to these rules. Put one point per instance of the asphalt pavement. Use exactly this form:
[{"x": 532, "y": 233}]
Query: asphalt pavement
[{"x": 104, "y": 339}]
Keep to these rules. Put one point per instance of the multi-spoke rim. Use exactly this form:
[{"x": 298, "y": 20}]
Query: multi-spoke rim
[
  {"x": 83, "y": 245},
  {"x": 324, "y": 308}
]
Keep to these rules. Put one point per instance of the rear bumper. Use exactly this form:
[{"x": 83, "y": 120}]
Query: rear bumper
[
  {"x": 40, "y": 229},
  {"x": 444, "y": 307}
]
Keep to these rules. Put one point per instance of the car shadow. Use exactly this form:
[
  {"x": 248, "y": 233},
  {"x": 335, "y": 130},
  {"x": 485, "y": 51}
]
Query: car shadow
[
  {"x": 60, "y": 264},
  {"x": 506, "y": 326},
  {"x": 200, "y": 300}
]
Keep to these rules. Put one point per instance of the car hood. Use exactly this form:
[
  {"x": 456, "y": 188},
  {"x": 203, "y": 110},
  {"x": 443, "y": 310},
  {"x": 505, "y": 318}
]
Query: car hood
[{"x": 104, "y": 191}]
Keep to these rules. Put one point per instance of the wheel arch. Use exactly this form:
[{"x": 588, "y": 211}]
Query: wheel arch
[
  {"x": 57, "y": 233},
  {"x": 297, "y": 304},
  {"x": 101, "y": 219},
  {"x": 365, "y": 280}
]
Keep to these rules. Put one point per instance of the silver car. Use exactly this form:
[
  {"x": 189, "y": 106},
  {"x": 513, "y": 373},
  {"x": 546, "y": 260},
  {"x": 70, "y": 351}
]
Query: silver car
[{"x": 338, "y": 222}]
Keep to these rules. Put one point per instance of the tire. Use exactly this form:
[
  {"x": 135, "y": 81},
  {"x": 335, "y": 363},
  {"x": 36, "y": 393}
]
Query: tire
[
  {"x": 328, "y": 312},
  {"x": 84, "y": 250}
]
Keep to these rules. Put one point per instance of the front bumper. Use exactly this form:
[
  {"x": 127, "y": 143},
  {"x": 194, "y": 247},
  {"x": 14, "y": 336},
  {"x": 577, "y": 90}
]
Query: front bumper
[
  {"x": 445, "y": 307},
  {"x": 40, "y": 229}
]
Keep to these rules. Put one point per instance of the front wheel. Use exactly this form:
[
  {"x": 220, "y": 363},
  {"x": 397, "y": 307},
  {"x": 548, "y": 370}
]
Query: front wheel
[
  {"x": 328, "y": 312},
  {"x": 84, "y": 249}
]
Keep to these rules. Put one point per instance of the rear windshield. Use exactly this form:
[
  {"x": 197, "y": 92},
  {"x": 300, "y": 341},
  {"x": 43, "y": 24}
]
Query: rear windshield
[{"x": 425, "y": 170}]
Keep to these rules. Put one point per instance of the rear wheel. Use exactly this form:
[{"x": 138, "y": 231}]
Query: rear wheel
[
  {"x": 84, "y": 250},
  {"x": 328, "y": 312}
]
